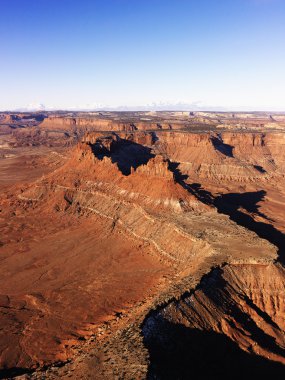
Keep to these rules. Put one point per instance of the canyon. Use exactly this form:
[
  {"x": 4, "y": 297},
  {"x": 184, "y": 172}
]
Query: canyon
[{"x": 142, "y": 245}]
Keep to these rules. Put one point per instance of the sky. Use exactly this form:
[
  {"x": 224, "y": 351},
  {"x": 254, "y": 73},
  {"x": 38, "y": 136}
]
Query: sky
[{"x": 85, "y": 54}]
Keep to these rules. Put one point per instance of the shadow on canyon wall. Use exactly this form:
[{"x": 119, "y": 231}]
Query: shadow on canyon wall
[
  {"x": 177, "y": 352},
  {"x": 236, "y": 206},
  {"x": 216, "y": 289},
  {"x": 229, "y": 204},
  {"x": 126, "y": 154},
  {"x": 233, "y": 204},
  {"x": 223, "y": 148},
  {"x": 12, "y": 373}
]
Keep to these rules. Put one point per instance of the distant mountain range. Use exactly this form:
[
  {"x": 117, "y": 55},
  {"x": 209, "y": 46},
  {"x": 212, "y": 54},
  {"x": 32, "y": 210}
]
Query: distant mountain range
[{"x": 161, "y": 106}]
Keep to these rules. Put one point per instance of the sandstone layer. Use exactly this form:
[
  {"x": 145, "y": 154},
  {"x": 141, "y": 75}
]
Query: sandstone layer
[{"x": 124, "y": 240}]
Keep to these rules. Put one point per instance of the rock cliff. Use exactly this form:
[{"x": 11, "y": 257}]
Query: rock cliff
[
  {"x": 136, "y": 244},
  {"x": 243, "y": 304}
]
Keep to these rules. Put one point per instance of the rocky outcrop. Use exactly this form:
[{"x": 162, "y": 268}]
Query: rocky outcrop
[
  {"x": 234, "y": 306},
  {"x": 264, "y": 150},
  {"x": 130, "y": 221},
  {"x": 72, "y": 126},
  {"x": 146, "y": 179},
  {"x": 6, "y": 119},
  {"x": 156, "y": 167},
  {"x": 100, "y": 124},
  {"x": 241, "y": 157}
]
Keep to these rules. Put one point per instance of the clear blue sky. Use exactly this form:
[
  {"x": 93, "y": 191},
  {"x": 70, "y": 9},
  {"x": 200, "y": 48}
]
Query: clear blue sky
[{"x": 77, "y": 53}]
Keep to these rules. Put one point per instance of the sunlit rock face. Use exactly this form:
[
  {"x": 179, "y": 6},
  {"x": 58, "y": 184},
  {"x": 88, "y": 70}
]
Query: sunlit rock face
[
  {"x": 231, "y": 325},
  {"x": 133, "y": 244}
]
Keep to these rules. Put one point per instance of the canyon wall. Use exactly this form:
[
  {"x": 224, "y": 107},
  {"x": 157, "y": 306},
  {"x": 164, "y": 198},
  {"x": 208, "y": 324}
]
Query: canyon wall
[
  {"x": 235, "y": 312},
  {"x": 232, "y": 156},
  {"x": 100, "y": 124},
  {"x": 178, "y": 233}
]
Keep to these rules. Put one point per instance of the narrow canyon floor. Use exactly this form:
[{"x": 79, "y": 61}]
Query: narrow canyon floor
[{"x": 142, "y": 246}]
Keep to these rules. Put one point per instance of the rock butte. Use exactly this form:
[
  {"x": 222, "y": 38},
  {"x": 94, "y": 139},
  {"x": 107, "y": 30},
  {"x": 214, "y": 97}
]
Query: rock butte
[{"x": 142, "y": 245}]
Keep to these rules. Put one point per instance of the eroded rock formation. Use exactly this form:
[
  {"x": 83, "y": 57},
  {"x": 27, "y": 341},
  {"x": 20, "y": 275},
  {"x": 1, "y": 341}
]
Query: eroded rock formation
[
  {"x": 119, "y": 234},
  {"x": 235, "y": 312}
]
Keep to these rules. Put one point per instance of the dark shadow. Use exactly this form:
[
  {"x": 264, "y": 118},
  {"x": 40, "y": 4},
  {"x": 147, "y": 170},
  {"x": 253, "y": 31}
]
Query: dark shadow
[
  {"x": 195, "y": 188},
  {"x": 200, "y": 193},
  {"x": 266, "y": 317},
  {"x": 223, "y": 148},
  {"x": 154, "y": 136},
  {"x": 177, "y": 352},
  {"x": 259, "y": 168},
  {"x": 125, "y": 153},
  {"x": 178, "y": 176},
  {"x": 133, "y": 127},
  {"x": 248, "y": 201},
  {"x": 229, "y": 204},
  {"x": 216, "y": 289},
  {"x": 13, "y": 372}
]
